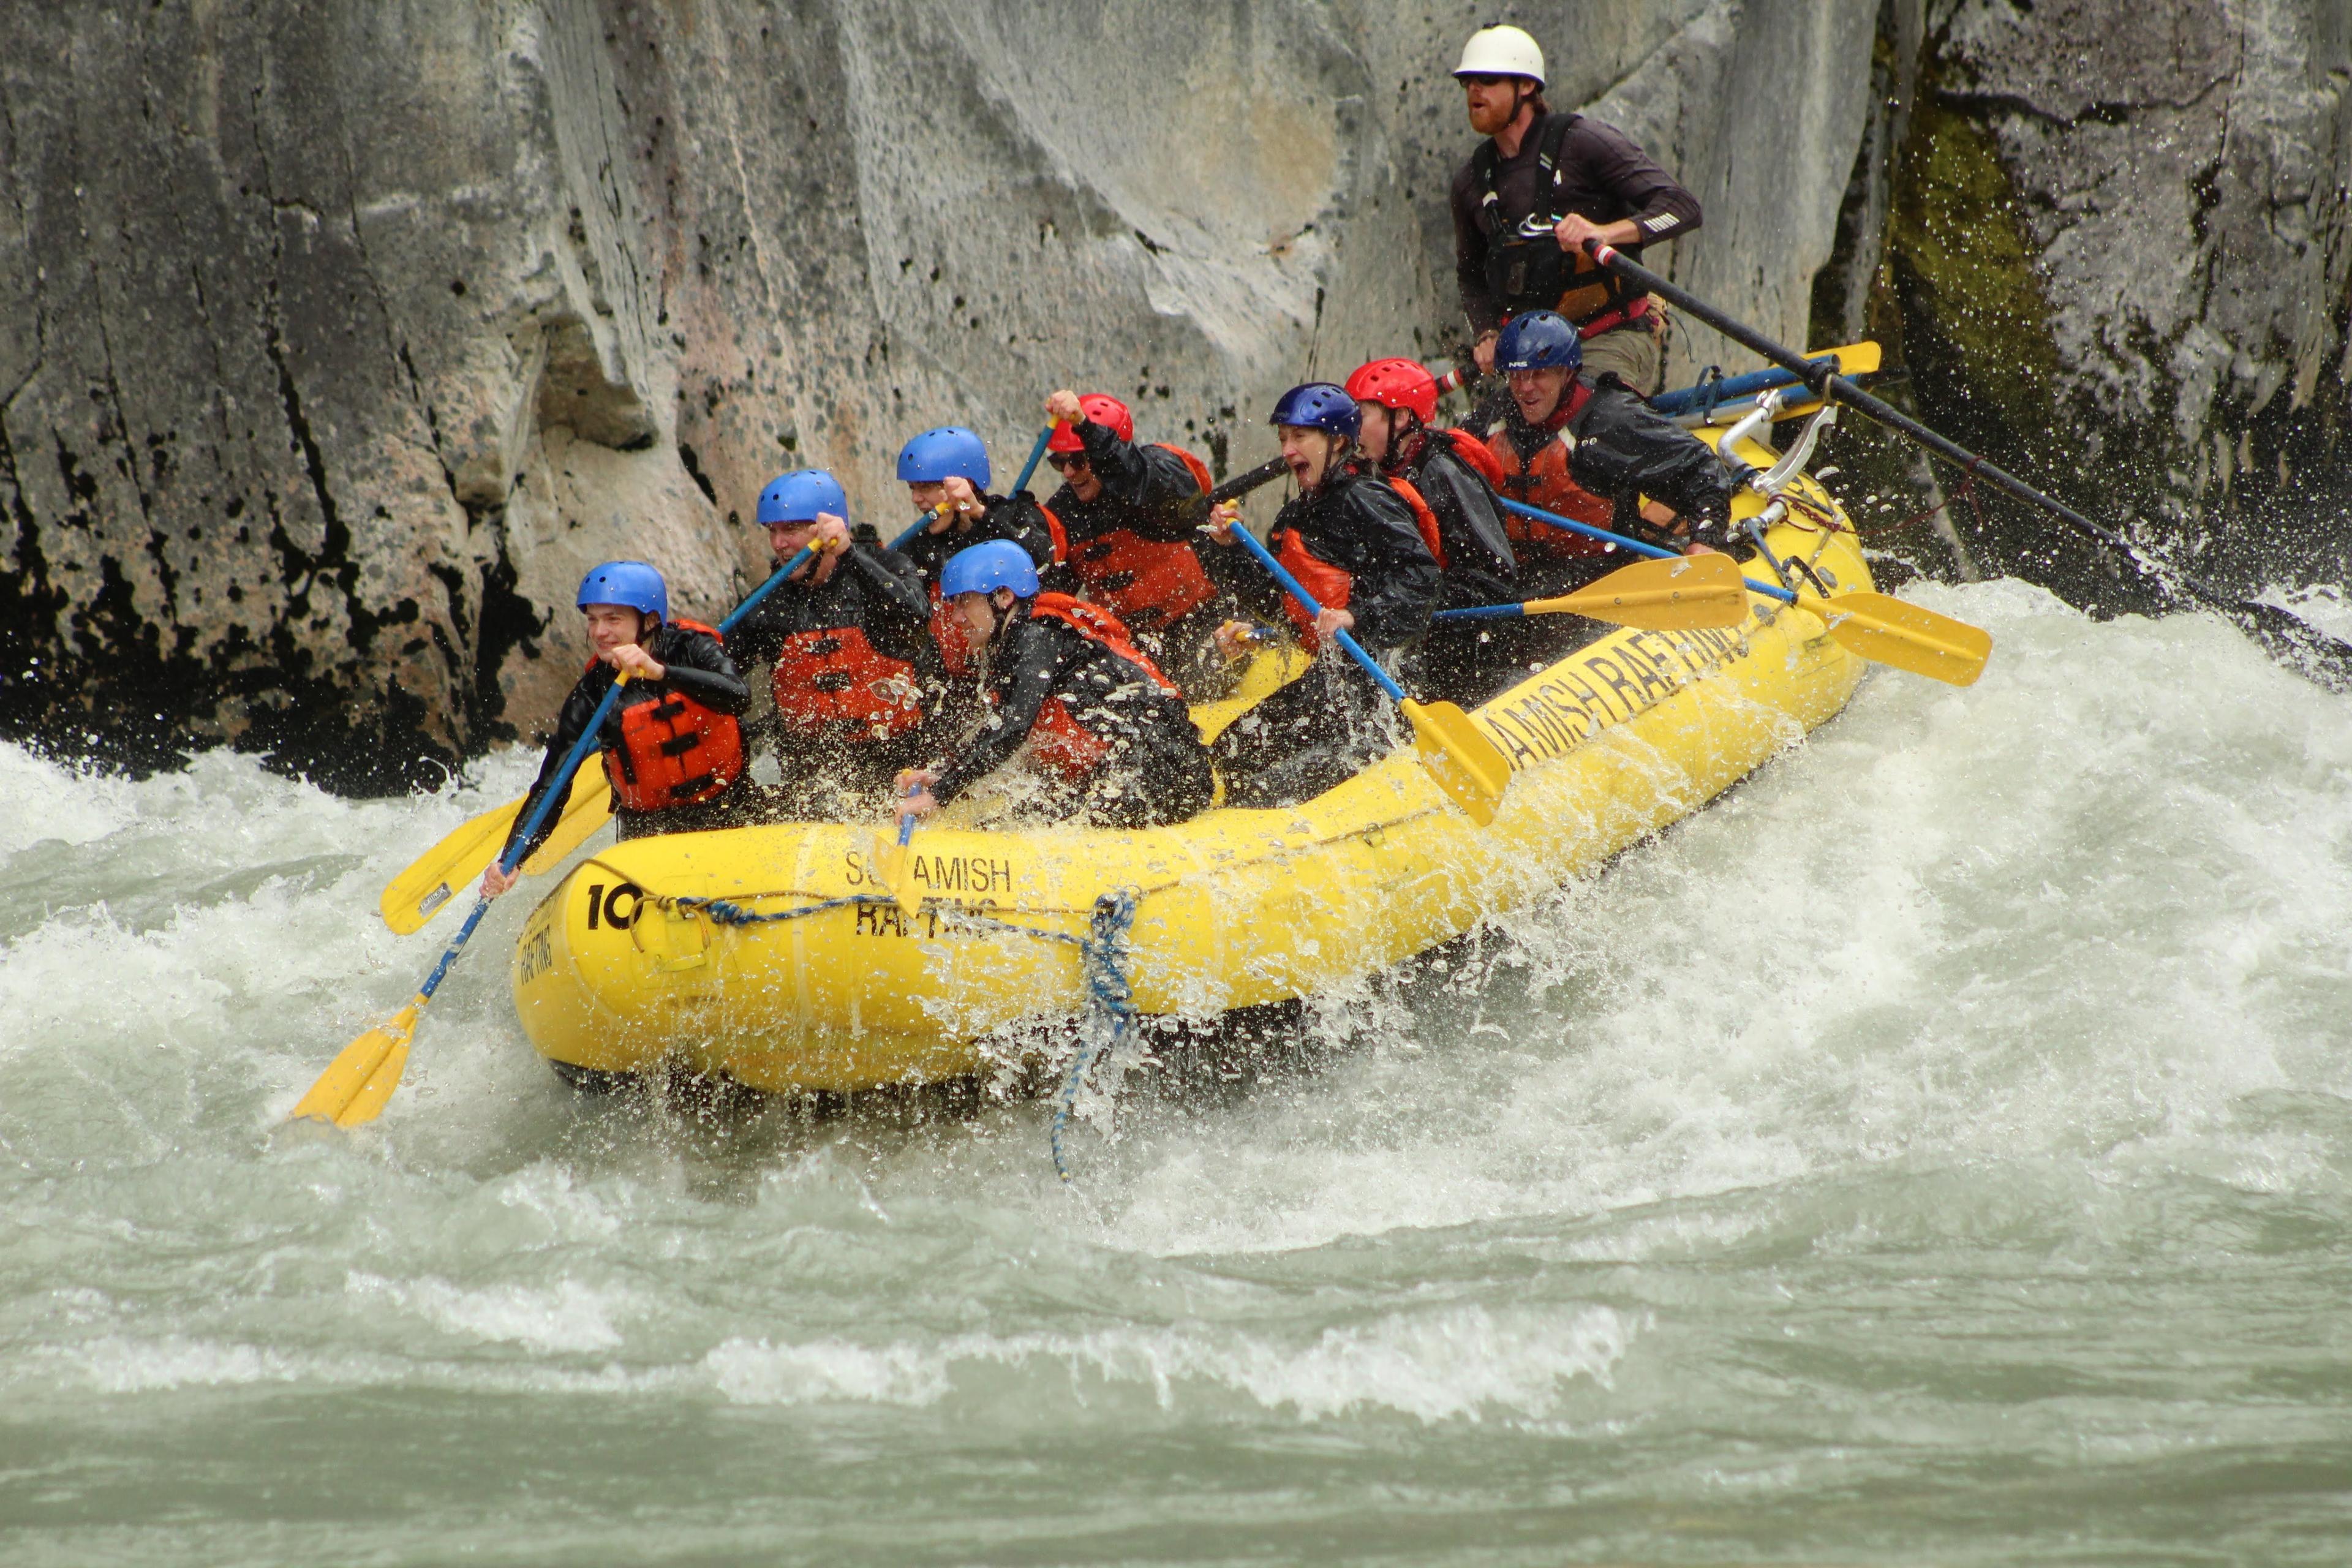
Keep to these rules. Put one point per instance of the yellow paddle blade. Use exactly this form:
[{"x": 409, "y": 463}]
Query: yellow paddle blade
[
  {"x": 1688, "y": 592},
  {"x": 348, "y": 1092},
  {"x": 1466, "y": 765},
  {"x": 588, "y": 809},
  {"x": 1907, "y": 635},
  {"x": 436, "y": 876},
  {"x": 442, "y": 872}
]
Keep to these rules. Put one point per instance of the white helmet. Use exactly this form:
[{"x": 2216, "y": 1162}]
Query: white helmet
[{"x": 1501, "y": 51}]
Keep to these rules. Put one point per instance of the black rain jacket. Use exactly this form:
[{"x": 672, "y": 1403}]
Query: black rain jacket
[
  {"x": 1625, "y": 450},
  {"x": 1035, "y": 657}
]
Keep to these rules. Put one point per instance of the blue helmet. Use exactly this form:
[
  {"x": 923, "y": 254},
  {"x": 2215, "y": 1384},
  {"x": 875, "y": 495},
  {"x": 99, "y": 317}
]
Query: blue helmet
[
  {"x": 630, "y": 582},
  {"x": 1319, "y": 406},
  {"x": 949, "y": 452},
  {"x": 1541, "y": 339},
  {"x": 984, "y": 568},
  {"x": 799, "y": 496}
]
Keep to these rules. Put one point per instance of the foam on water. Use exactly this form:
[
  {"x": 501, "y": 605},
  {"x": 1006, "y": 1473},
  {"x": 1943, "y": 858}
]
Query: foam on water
[{"x": 1965, "y": 1094}]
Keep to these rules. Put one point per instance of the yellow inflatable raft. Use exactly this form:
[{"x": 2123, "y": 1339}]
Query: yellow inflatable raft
[{"x": 773, "y": 955}]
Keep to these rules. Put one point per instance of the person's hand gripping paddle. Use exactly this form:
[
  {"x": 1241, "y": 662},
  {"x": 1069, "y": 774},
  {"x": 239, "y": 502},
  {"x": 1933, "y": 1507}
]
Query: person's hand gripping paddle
[
  {"x": 361, "y": 1078},
  {"x": 1464, "y": 762}
]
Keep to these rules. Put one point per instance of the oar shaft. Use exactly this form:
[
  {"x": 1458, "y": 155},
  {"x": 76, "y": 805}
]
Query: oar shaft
[
  {"x": 1827, "y": 383},
  {"x": 450, "y": 954},
  {"x": 1292, "y": 586},
  {"x": 557, "y": 788},
  {"x": 1482, "y": 613}
]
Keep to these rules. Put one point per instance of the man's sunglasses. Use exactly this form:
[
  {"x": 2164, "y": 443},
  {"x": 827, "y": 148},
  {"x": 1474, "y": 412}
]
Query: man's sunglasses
[{"x": 1062, "y": 462}]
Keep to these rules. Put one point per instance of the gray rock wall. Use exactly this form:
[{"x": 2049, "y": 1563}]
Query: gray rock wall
[
  {"x": 337, "y": 340},
  {"x": 2120, "y": 259}
]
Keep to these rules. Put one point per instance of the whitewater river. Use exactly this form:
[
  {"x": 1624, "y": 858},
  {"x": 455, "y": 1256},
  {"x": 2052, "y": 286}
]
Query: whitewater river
[{"x": 1939, "y": 1152}]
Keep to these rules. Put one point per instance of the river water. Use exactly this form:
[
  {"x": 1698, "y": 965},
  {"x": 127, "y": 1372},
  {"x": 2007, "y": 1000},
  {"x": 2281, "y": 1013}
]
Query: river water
[{"x": 1940, "y": 1150}]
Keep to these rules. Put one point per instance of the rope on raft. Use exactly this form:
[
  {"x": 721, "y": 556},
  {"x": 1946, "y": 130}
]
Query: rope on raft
[{"x": 1103, "y": 956}]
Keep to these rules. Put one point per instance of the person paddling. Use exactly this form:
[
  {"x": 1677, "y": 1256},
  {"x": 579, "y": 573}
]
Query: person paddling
[
  {"x": 1126, "y": 515},
  {"x": 1369, "y": 556},
  {"x": 855, "y": 672},
  {"x": 947, "y": 470},
  {"x": 1587, "y": 447},
  {"x": 1534, "y": 192},
  {"x": 673, "y": 750},
  {"x": 1110, "y": 733},
  {"x": 1454, "y": 473}
]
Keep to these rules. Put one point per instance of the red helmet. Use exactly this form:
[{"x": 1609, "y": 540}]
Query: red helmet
[
  {"x": 1100, "y": 408},
  {"x": 1396, "y": 384}
]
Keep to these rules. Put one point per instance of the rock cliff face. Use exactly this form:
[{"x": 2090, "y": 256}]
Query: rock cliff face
[
  {"x": 337, "y": 340},
  {"x": 2117, "y": 257}
]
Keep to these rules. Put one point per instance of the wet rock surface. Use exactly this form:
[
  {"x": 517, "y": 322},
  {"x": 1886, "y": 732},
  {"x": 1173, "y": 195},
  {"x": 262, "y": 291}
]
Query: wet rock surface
[
  {"x": 2118, "y": 260},
  {"x": 336, "y": 341}
]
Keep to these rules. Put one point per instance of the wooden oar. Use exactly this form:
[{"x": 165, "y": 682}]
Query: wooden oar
[
  {"x": 1873, "y": 626},
  {"x": 2290, "y": 638},
  {"x": 363, "y": 1074},
  {"x": 426, "y": 887},
  {"x": 1678, "y": 594},
  {"x": 1464, "y": 762}
]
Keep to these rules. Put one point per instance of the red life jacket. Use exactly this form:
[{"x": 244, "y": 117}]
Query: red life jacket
[
  {"x": 1472, "y": 451},
  {"x": 1058, "y": 740},
  {"x": 673, "y": 750},
  {"x": 1423, "y": 520},
  {"x": 1147, "y": 581},
  {"x": 837, "y": 677},
  {"x": 1331, "y": 585},
  {"x": 1543, "y": 481}
]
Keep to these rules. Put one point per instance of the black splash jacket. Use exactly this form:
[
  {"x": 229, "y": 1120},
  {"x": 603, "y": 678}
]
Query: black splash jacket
[
  {"x": 1016, "y": 518},
  {"x": 1144, "y": 491},
  {"x": 1357, "y": 522},
  {"x": 1035, "y": 657},
  {"x": 875, "y": 589},
  {"x": 1625, "y": 450},
  {"x": 1604, "y": 177},
  {"x": 693, "y": 664},
  {"x": 1480, "y": 568}
]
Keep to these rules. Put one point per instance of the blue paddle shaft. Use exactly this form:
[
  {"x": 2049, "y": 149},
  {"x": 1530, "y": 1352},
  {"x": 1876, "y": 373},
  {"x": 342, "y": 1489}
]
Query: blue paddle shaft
[
  {"x": 1731, "y": 389},
  {"x": 1553, "y": 519},
  {"x": 799, "y": 559},
  {"x": 557, "y": 788},
  {"x": 1292, "y": 586},
  {"x": 1481, "y": 612},
  {"x": 1036, "y": 453}
]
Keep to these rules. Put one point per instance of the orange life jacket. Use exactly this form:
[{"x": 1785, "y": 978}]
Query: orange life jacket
[
  {"x": 673, "y": 750},
  {"x": 1472, "y": 451},
  {"x": 1544, "y": 482},
  {"x": 1058, "y": 740},
  {"x": 1149, "y": 581},
  {"x": 1423, "y": 520},
  {"x": 1329, "y": 584},
  {"x": 836, "y": 676}
]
